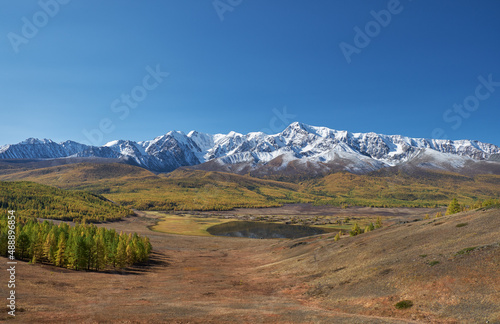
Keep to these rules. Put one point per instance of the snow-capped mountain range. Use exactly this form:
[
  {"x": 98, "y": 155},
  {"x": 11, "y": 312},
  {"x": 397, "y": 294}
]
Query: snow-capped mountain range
[{"x": 300, "y": 147}]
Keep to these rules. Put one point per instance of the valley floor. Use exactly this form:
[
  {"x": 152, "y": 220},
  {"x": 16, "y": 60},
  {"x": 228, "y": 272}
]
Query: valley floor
[{"x": 195, "y": 279}]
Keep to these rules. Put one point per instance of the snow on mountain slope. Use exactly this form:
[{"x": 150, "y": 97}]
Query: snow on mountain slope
[
  {"x": 33, "y": 148},
  {"x": 298, "y": 148}
]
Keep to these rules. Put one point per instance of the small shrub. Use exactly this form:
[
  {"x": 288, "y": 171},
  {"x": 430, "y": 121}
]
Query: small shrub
[
  {"x": 462, "y": 224},
  {"x": 433, "y": 263},
  {"x": 466, "y": 250},
  {"x": 370, "y": 227},
  {"x": 423, "y": 255},
  {"x": 356, "y": 230},
  {"x": 404, "y": 304}
]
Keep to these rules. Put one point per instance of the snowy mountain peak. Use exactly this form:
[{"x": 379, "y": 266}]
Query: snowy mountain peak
[
  {"x": 234, "y": 134},
  {"x": 297, "y": 127},
  {"x": 113, "y": 143},
  {"x": 36, "y": 141}
]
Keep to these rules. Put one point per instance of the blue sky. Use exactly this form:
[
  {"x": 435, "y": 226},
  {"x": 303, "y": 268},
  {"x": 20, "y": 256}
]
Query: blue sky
[{"x": 66, "y": 65}]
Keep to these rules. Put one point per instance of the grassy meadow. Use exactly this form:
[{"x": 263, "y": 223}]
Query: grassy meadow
[{"x": 185, "y": 224}]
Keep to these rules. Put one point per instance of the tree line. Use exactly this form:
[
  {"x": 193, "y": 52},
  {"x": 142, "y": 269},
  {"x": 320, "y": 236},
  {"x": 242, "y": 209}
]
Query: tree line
[
  {"x": 455, "y": 207},
  {"x": 79, "y": 247}
]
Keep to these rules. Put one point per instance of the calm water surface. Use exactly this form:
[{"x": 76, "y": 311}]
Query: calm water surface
[{"x": 261, "y": 230}]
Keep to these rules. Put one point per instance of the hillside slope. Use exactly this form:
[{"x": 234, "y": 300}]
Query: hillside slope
[
  {"x": 397, "y": 187},
  {"x": 185, "y": 189},
  {"x": 135, "y": 187},
  {"x": 448, "y": 267},
  {"x": 37, "y": 200}
]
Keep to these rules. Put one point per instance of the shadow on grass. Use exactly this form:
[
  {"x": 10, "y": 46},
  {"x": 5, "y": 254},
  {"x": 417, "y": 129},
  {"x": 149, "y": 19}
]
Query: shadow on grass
[{"x": 155, "y": 260}]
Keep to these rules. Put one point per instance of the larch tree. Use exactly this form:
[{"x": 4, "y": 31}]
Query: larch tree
[
  {"x": 60, "y": 260},
  {"x": 453, "y": 207}
]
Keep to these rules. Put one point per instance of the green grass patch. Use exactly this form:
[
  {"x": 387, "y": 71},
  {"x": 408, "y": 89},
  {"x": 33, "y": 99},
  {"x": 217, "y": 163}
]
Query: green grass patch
[
  {"x": 404, "y": 304},
  {"x": 466, "y": 250},
  {"x": 462, "y": 224},
  {"x": 423, "y": 255},
  {"x": 333, "y": 227},
  {"x": 433, "y": 263}
]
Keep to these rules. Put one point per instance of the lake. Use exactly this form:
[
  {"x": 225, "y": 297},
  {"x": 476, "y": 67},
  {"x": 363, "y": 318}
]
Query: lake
[{"x": 261, "y": 230}]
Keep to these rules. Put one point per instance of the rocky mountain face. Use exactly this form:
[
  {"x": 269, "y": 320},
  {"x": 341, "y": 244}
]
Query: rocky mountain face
[{"x": 299, "y": 148}]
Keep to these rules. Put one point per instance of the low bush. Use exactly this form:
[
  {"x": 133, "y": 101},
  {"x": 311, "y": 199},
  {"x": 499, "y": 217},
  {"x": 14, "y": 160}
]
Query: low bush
[{"x": 404, "y": 304}]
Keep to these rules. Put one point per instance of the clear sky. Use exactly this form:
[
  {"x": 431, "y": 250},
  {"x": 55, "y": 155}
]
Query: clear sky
[{"x": 420, "y": 68}]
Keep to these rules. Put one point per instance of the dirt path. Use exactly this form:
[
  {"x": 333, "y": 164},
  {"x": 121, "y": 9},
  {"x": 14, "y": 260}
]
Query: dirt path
[{"x": 190, "y": 280}]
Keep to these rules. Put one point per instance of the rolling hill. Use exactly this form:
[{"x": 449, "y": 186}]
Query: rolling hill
[
  {"x": 135, "y": 187},
  {"x": 186, "y": 189},
  {"x": 446, "y": 268},
  {"x": 395, "y": 187}
]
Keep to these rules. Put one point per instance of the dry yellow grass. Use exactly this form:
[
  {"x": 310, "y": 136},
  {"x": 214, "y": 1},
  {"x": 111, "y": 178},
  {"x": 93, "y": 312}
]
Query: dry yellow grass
[
  {"x": 448, "y": 267},
  {"x": 195, "y": 279}
]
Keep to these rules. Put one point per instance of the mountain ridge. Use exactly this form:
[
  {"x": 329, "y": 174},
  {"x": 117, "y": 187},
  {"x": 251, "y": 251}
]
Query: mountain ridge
[{"x": 298, "y": 148}]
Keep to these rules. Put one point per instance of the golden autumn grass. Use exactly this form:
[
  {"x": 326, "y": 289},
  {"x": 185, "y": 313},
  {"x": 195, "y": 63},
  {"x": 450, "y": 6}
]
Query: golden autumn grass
[{"x": 185, "y": 224}]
